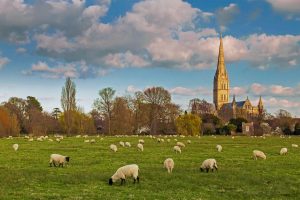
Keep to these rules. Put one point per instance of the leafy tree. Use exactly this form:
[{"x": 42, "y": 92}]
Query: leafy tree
[
  {"x": 238, "y": 123},
  {"x": 68, "y": 102},
  {"x": 188, "y": 124},
  {"x": 104, "y": 104},
  {"x": 33, "y": 103},
  {"x": 56, "y": 113}
]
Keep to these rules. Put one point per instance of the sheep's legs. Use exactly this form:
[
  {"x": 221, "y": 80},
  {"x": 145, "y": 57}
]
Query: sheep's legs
[
  {"x": 207, "y": 169},
  {"x": 122, "y": 181}
]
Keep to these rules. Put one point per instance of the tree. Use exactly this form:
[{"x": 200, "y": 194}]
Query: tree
[
  {"x": 56, "y": 113},
  {"x": 68, "y": 102},
  {"x": 200, "y": 107},
  {"x": 122, "y": 117},
  {"x": 238, "y": 123},
  {"x": 104, "y": 104},
  {"x": 188, "y": 124},
  {"x": 33, "y": 103},
  {"x": 9, "y": 124},
  {"x": 157, "y": 98}
]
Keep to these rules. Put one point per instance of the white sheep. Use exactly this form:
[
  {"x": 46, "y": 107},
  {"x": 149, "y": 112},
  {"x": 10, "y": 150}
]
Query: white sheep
[
  {"x": 124, "y": 172},
  {"x": 50, "y": 140},
  {"x": 78, "y": 136},
  {"x": 158, "y": 140},
  {"x": 219, "y": 148},
  {"x": 15, "y": 147},
  {"x": 58, "y": 140},
  {"x": 39, "y": 139},
  {"x": 127, "y": 144},
  {"x": 86, "y": 141},
  {"x": 30, "y": 139},
  {"x": 259, "y": 154},
  {"x": 162, "y": 140},
  {"x": 175, "y": 140},
  {"x": 122, "y": 144},
  {"x": 92, "y": 141},
  {"x": 177, "y": 149},
  {"x": 169, "y": 164},
  {"x": 140, "y": 147},
  {"x": 189, "y": 142},
  {"x": 113, "y": 147},
  {"x": 295, "y": 145},
  {"x": 180, "y": 144},
  {"x": 58, "y": 159},
  {"x": 141, "y": 141},
  {"x": 283, "y": 151},
  {"x": 168, "y": 140},
  {"x": 207, "y": 164}
]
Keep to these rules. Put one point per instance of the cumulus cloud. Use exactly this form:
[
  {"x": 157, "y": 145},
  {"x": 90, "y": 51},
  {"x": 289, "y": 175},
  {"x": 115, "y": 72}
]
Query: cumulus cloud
[
  {"x": 274, "y": 90},
  {"x": 126, "y": 59},
  {"x": 21, "y": 50},
  {"x": 291, "y": 6},
  {"x": 132, "y": 89},
  {"x": 226, "y": 15},
  {"x": 238, "y": 91},
  {"x": 190, "y": 91}
]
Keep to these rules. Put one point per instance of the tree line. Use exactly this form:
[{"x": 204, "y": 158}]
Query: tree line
[{"x": 145, "y": 112}]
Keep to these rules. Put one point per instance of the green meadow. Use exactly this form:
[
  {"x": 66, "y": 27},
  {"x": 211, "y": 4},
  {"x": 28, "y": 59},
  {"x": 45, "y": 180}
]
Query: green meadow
[{"x": 25, "y": 174}]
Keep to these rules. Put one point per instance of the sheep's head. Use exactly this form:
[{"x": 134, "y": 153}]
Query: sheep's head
[
  {"x": 67, "y": 158},
  {"x": 201, "y": 169},
  {"x": 110, "y": 181}
]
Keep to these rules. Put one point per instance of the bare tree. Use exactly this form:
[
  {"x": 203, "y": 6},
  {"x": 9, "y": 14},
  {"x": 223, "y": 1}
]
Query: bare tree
[
  {"x": 104, "y": 104},
  {"x": 68, "y": 102},
  {"x": 157, "y": 98},
  {"x": 201, "y": 107}
]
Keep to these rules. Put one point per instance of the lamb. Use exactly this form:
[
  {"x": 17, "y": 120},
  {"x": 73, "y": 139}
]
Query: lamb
[
  {"x": 58, "y": 159},
  {"x": 141, "y": 141},
  {"x": 180, "y": 144},
  {"x": 124, "y": 172},
  {"x": 207, "y": 164},
  {"x": 122, "y": 144},
  {"x": 283, "y": 151},
  {"x": 219, "y": 148},
  {"x": 140, "y": 147},
  {"x": 113, "y": 147},
  {"x": 259, "y": 154},
  {"x": 177, "y": 149},
  {"x": 15, "y": 147},
  {"x": 169, "y": 164},
  {"x": 295, "y": 145},
  {"x": 127, "y": 144}
]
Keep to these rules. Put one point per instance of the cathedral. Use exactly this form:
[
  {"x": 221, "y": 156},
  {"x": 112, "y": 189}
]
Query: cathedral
[{"x": 224, "y": 108}]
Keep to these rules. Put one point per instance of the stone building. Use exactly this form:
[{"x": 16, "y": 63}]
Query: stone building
[{"x": 221, "y": 94}]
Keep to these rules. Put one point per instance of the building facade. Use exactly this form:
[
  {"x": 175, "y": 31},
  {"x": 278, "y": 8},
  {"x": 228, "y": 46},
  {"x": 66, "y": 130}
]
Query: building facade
[{"x": 221, "y": 94}]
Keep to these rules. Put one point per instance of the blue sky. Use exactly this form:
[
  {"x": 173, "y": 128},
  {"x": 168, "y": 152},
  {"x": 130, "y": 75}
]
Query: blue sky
[{"x": 130, "y": 45}]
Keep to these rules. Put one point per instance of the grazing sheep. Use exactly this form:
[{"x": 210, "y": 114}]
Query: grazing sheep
[
  {"x": 85, "y": 136},
  {"x": 295, "y": 145},
  {"x": 122, "y": 144},
  {"x": 189, "y": 142},
  {"x": 78, "y": 136},
  {"x": 86, "y": 141},
  {"x": 92, "y": 141},
  {"x": 58, "y": 140},
  {"x": 175, "y": 140},
  {"x": 168, "y": 140},
  {"x": 283, "y": 151},
  {"x": 127, "y": 144},
  {"x": 30, "y": 139},
  {"x": 39, "y": 139},
  {"x": 158, "y": 140},
  {"x": 26, "y": 137},
  {"x": 259, "y": 154},
  {"x": 141, "y": 141},
  {"x": 113, "y": 147},
  {"x": 126, "y": 171},
  {"x": 180, "y": 144},
  {"x": 15, "y": 147},
  {"x": 177, "y": 149},
  {"x": 169, "y": 164},
  {"x": 219, "y": 148},
  {"x": 162, "y": 140},
  {"x": 50, "y": 140},
  {"x": 140, "y": 147},
  {"x": 207, "y": 164},
  {"x": 58, "y": 159}
]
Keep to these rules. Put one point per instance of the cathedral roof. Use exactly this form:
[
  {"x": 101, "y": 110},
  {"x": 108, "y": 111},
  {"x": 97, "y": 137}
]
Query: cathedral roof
[{"x": 240, "y": 103}]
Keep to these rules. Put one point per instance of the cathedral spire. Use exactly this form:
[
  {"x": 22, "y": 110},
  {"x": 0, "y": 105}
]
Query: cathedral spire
[
  {"x": 260, "y": 103},
  {"x": 221, "y": 68}
]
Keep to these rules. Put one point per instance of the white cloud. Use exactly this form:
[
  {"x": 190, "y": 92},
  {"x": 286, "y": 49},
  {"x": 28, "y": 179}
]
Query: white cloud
[
  {"x": 132, "y": 89},
  {"x": 238, "y": 91},
  {"x": 274, "y": 90},
  {"x": 226, "y": 15},
  {"x": 3, "y": 61},
  {"x": 21, "y": 50},
  {"x": 291, "y": 6},
  {"x": 189, "y": 91},
  {"x": 126, "y": 59}
]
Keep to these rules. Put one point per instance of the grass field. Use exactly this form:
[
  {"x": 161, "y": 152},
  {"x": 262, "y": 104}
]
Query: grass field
[{"x": 26, "y": 174}]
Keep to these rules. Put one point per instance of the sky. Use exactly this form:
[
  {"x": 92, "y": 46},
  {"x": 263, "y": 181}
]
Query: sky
[{"x": 131, "y": 45}]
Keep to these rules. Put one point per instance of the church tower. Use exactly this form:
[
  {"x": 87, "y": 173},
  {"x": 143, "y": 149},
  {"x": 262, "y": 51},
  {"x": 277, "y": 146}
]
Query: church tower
[
  {"x": 221, "y": 80},
  {"x": 260, "y": 106}
]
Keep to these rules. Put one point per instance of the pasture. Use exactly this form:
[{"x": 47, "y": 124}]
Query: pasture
[{"x": 25, "y": 174}]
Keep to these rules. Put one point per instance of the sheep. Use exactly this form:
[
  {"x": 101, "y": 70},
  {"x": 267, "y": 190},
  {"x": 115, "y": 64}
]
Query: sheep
[
  {"x": 189, "y": 142},
  {"x": 175, "y": 140},
  {"x": 169, "y": 164},
  {"x": 58, "y": 159},
  {"x": 127, "y": 144},
  {"x": 168, "y": 140},
  {"x": 259, "y": 154},
  {"x": 207, "y": 164},
  {"x": 177, "y": 149},
  {"x": 283, "y": 151},
  {"x": 15, "y": 147},
  {"x": 180, "y": 144},
  {"x": 140, "y": 147},
  {"x": 158, "y": 140},
  {"x": 124, "y": 172},
  {"x": 50, "y": 140},
  {"x": 85, "y": 136},
  {"x": 92, "y": 141},
  {"x": 86, "y": 141},
  {"x": 295, "y": 145},
  {"x": 78, "y": 136},
  {"x": 30, "y": 139},
  {"x": 122, "y": 144},
  {"x": 39, "y": 139},
  {"x": 141, "y": 141},
  {"x": 219, "y": 148},
  {"x": 26, "y": 137},
  {"x": 58, "y": 140},
  {"x": 113, "y": 147}
]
